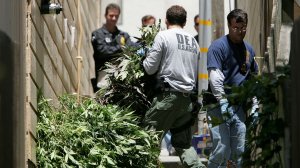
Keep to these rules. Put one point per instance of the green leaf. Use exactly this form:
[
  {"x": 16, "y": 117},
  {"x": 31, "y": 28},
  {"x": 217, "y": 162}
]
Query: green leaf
[
  {"x": 71, "y": 133},
  {"x": 73, "y": 160},
  {"x": 53, "y": 155},
  {"x": 94, "y": 151},
  {"x": 109, "y": 160}
]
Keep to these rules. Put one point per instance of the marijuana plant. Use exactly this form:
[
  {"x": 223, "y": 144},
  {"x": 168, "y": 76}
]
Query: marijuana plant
[
  {"x": 265, "y": 129},
  {"x": 92, "y": 135},
  {"x": 128, "y": 83}
]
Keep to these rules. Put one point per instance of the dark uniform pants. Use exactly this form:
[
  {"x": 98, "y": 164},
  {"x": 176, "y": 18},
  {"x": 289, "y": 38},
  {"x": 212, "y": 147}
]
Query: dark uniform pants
[{"x": 171, "y": 110}]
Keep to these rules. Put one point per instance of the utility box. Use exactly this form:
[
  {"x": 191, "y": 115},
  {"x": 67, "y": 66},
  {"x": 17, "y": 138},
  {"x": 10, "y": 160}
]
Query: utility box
[{"x": 202, "y": 144}]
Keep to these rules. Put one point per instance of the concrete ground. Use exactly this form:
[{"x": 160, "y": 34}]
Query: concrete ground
[{"x": 174, "y": 161}]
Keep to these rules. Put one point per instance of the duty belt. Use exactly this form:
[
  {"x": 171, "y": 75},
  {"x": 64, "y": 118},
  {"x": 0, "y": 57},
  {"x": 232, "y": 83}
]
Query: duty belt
[{"x": 169, "y": 89}]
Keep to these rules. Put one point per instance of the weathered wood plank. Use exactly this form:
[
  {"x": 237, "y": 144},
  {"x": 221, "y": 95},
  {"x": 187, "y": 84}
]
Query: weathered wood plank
[
  {"x": 52, "y": 62},
  {"x": 67, "y": 12},
  {"x": 41, "y": 81},
  {"x": 49, "y": 27},
  {"x": 73, "y": 10},
  {"x": 86, "y": 16},
  {"x": 93, "y": 7},
  {"x": 40, "y": 76},
  {"x": 32, "y": 120},
  {"x": 41, "y": 29},
  {"x": 86, "y": 49},
  {"x": 253, "y": 8},
  {"x": 90, "y": 25},
  {"x": 57, "y": 37},
  {"x": 31, "y": 150},
  {"x": 30, "y": 115}
]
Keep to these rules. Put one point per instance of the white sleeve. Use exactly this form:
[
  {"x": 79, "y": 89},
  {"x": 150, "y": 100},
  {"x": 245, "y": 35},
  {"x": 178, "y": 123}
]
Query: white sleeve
[
  {"x": 216, "y": 82},
  {"x": 152, "y": 61}
]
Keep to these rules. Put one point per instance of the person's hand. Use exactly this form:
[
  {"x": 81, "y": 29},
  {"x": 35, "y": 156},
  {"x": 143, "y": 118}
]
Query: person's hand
[
  {"x": 141, "y": 52},
  {"x": 254, "y": 111},
  {"x": 226, "y": 110}
]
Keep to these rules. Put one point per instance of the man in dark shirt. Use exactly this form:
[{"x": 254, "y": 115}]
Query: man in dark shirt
[{"x": 107, "y": 43}]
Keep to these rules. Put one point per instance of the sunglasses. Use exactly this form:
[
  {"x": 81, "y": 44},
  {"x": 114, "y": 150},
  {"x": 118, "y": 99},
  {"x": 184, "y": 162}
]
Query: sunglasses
[{"x": 236, "y": 29}]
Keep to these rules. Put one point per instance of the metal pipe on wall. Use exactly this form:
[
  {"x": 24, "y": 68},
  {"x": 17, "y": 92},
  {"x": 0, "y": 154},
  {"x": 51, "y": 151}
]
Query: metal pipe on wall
[
  {"x": 205, "y": 38},
  {"x": 79, "y": 57},
  {"x": 229, "y": 5}
]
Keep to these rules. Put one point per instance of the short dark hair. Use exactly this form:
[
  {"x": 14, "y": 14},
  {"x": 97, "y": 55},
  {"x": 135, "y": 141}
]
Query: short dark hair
[
  {"x": 112, "y": 6},
  {"x": 176, "y": 15},
  {"x": 196, "y": 20},
  {"x": 146, "y": 18},
  {"x": 239, "y": 15}
]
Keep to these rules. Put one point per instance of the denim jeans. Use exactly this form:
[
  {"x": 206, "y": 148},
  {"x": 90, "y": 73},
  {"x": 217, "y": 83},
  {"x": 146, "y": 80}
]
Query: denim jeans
[
  {"x": 167, "y": 142},
  {"x": 228, "y": 137},
  {"x": 169, "y": 111}
]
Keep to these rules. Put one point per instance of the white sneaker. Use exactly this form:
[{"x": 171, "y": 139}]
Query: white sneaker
[
  {"x": 164, "y": 152},
  {"x": 172, "y": 151}
]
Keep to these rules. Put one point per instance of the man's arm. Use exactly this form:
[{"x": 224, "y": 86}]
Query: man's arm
[
  {"x": 152, "y": 61},
  {"x": 104, "y": 50},
  {"x": 216, "y": 80}
]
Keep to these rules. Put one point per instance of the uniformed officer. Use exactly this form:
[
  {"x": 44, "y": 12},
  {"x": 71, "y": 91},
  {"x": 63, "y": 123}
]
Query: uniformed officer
[{"x": 107, "y": 43}]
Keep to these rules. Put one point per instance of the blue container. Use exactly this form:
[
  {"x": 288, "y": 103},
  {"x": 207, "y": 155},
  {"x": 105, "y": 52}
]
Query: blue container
[{"x": 202, "y": 144}]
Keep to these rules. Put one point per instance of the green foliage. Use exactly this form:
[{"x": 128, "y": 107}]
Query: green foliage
[
  {"x": 264, "y": 133},
  {"x": 148, "y": 34},
  {"x": 129, "y": 85},
  {"x": 105, "y": 134},
  {"x": 92, "y": 135},
  {"x": 263, "y": 138}
]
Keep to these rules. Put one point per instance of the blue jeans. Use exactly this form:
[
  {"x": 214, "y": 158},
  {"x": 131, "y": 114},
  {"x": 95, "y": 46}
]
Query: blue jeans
[
  {"x": 167, "y": 139},
  {"x": 228, "y": 138}
]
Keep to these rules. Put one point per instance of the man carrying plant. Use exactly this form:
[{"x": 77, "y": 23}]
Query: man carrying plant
[
  {"x": 230, "y": 62},
  {"x": 173, "y": 58}
]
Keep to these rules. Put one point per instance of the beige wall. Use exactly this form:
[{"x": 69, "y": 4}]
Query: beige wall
[
  {"x": 255, "y": 19},
  {"x": 288, "y": 96},
  {"x": 217, "y": 19},
  {"x": 51, "y": 64},
  {"x": 134, "y": 10},
  {"x": 258, "y": 29},
  {"x": 296, "y": 10}
]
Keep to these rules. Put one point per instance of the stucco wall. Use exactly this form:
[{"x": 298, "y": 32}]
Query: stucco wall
[
  {"x": 258, "y": 28},
  {"x": 134, "y": 10},
  {"x": 254, "y": 9}
]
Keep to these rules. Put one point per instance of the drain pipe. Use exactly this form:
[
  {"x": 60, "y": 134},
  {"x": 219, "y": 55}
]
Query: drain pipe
[
  {"x": 79, "y": 57},
  {"x": 205, "y": 34},
  {"x": 229, "y": 5}
]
